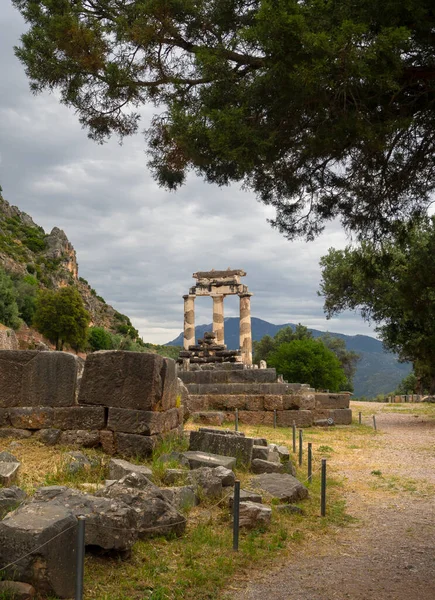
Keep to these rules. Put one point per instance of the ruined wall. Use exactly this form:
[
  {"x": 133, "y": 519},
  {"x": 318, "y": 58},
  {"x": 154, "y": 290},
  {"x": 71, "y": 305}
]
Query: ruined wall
[{"x": 122, "y": 401}]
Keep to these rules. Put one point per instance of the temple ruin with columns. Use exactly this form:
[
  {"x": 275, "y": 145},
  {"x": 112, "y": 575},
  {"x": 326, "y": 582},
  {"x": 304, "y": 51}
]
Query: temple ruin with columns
[{"x": 219, "y": 380}]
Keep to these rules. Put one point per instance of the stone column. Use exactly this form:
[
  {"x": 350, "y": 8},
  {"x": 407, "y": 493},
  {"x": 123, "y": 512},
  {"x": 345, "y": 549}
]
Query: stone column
[
  {"x": 189, "y": 321},
  {"x": 245, "y": 328},
  {"x": 218, "y": 318}
]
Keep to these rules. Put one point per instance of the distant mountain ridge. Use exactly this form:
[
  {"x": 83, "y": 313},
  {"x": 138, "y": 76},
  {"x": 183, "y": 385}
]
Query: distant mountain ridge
[{"x": 378, "y": 371}]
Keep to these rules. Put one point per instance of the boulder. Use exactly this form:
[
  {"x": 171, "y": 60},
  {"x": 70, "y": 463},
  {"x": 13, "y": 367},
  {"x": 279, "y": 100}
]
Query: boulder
[
  {"x": 289, "y": 508},
  {"x": 18, "y": 434},
  {"x": 31, "y": 526},
  {"x": 252, "y": 515},
  {"x": 227, "y": 476},
  {"x": 209, "y": 483},
  {"x": 133, "y": 380},
  {"x": 284, "y": 487},
  {"x": 80, "y": 438},
  {"x": 273, "y": 456},
  {"x": 9, "y": 466},
  {"x": 183, "y": 398},
  {"x": 205, "y": 459},
  {"x": 4, "y": 418},
  {"x": 260, "y": 452},
  {"x": 134, "y": 446},
  {"x": 173, "y": 476},
  {"x": 182, "y": 498},
  {"x": 223, "y": 445},
  {"x": 283, "y": 452},
  {"x": 264, "y": 466},
  {"x": 119, "y": 468},
  {"x": 110, "y": 524},
  {"x": 17, "y": 590},
  {"x": 50, "y": 437},
  {"x": 245, "y": 496},
  {"x": 77, "y": 461},
  {"x": 155, "y": 516},
  {"x": 33, "y": 378},
  {"x": 222, "y": 431},
  {"x": 142, "y": 422},
  {"x": 10, "y": 499}
]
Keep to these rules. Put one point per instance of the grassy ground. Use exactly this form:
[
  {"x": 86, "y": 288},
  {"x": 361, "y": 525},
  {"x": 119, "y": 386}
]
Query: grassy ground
[{"x": 201, "y": 563}]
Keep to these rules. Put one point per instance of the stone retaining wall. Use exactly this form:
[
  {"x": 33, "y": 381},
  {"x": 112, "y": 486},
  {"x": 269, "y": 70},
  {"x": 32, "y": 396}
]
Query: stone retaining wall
[{"x": 122, "y": 401}]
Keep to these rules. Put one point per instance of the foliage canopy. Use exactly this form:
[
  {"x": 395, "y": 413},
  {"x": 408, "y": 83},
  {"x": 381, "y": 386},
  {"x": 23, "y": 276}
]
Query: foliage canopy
[
  {"x": 392, "y": 285},
  {"x": 324, "y": 108}
]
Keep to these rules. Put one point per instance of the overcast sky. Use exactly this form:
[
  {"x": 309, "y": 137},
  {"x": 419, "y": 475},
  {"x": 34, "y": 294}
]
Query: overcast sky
[{"x": 137, "y": 244}]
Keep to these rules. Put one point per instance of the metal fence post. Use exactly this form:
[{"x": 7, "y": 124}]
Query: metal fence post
[
  {"x": 323, "y": 489},
  {"x": 236, "y": 422},
  {"x": 236, "y": 512},
  {"x": 274, "y": 419},
  {"x": 310, "y": 462},
  {"x": 374, "y": 422},
  {"x": 294, "y": 437},
  {"x": 359, "y": 418},
  {"x": 300, "y": 446},
  {"x": 80, "y": 564}
]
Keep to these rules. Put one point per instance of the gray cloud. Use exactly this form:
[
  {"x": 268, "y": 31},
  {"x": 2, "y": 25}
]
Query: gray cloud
[{"x": 137, "y": 244}]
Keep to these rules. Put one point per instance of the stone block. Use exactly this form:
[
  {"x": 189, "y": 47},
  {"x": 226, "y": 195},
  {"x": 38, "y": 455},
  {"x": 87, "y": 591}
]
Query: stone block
[
  {"x": 18, "y": 434},
  {"x": 107, "y": 441},
  {"x": 80, "y": 438},
  {"x": 33, "y": 378},
  {"x": 285, "y": 487},
  {"x": 209, "y": 417},
  {"x": 207, "y": 459},
  {"x": 174, "y": 476},
  {"x": 142, "y": 421},
  {"x": 301, "y": 401},
  {"x": 224, "y": 445},
  {"x": 10, "y": 498},
  {"x": 50, "y": 437},
  {"x": 245, "y": 496},
  {"x": 79, "y": 417},
  {"x": 332, "y": 400},
  {"x": 260, "y": 441},
  {"x": 133, "y": 380},
  {"x": 4, "y": 418},
  {"x": 31, "y": 417},
  {"x": 206, "y": 481},
  {"x": 182, "y": 497},
  {"x": 340, "y": 416},
  {"x": 273, "y": 402},
  {"x": 226, "y": 476},
  {"x": 253, "y": 515},
  {"x": 118, "y": 468},
  {"x": 302, "y": 418},
  {"x": 260, "y": 452},
  {"x": 17, "y": 590},
  {"x": 222, "y": 431},
  {"x": 251, "y": 417},
  {"x": 8, "y": 473},
  {"x": 134, "y": 446},
  {"x": 31, "y": 526},
  {"x": 265, "y": 466}
]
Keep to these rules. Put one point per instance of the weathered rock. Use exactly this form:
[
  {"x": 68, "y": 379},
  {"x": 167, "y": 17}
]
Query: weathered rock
[
  {"x": 173, "y": 476},
  {"x": 222, "y": 431},
  {"x": 227, "y": 476},
  {"x": 4, "y": 418},
  {"x": 174, "y": 457},
  {"x": 8, "y": 471},
  {"x": 10, "y": 499},
  {"x": 29, "y": 527},
  {"x": 110, "y": 523},
  {"x": 326, "y": 400},
  {"x": 260, "y": 441},
  {"x": 77, "y": 461},
  {"x": 33, "y": 378},
  {"x": 289, "y": 508},
  {"x": 208, "y": 417},
  {"x": 264, "y": 466},
  {"x": 133, "y": 380},
  {"x": 302, "y": 418},
  {"x": 134, "y": 446},
  {"x": 107, "y": 441},
  {"x": 223, "y": 445},
  {"x": 283, "y": 453},
  {"x": 80, "y": 438},
  {"x": 273, "y": 457},
  {"x": 142, "y": 421},
  {"x": 7, "y": 457},
  {"x": 260, "y": 452},
  {"x": 207, "y": 480},
  {"x": 79, "y": 417},
  {"x": 119, "y": 468},
  {"x": 204, "y": 459},
  {"x": 155, "y": 515},
  {"x": 31, "y": 417},
  {"x": 183, "y": 397},
  {"x": 50, "y": 437},
  {"x": 18, "y": 434},
  {"x": 285, "y": 487},
  {"x": 254, "y": 515},
  {"x": 182, "y": 498},
  {"x": 17, "y": 590},
  {"x": 245, "y": 496}
]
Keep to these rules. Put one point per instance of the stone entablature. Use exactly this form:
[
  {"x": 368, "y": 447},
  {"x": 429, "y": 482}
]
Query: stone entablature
[
  {"x": 122, "y": 401},
  {"x": 218, "y": 284}
]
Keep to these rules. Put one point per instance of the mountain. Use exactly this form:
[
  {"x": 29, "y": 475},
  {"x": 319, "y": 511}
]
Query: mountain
[
  {"x": 377, "y": 372},
  {"x": 49, "y": 261}
]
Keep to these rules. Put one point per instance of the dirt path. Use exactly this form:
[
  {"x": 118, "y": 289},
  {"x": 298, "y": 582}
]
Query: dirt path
[{"x": 389, "y": 554}]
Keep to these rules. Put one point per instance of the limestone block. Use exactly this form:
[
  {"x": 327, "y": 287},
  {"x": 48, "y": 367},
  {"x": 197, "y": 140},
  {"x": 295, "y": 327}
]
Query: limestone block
[
  {"x": 4, "y": 418},
  {"x": 340, "y": 416},
  {"x": 17, "y": 590},
  {"x": 206, "y": 481},
  {"x": 182, "y": 497},
  {"x": 226, "y": 476},
  {"x": 254, "y": 515},
  {"x": 79, "y": 417},
  {"x": 107, "y": 441},
  {"x": 133, "y": 380},
  {"x": 283, "y": 452},
  {"x": 224, "y": 445},
  {"x": 49, "y": 570},
  {"x": 173, "y": 476},
  {"x": 11, "y": 432},
  {"x": 303, "y": 401},
  {"x": 273, "y": 402},
  {"x": 197, "y": 404},
  {"x": 10, "y": 499},
  {"x": 260, "y": 452},
  {"x": 8, "y": 472},
  {"x": 80, "y": 438},
  {"x": 302, "y": 418},
  {"x": 33, "y": 378},
  {"x": 142, "y": 421},
  {"x": 207, "y": 459},
  {"x": 245, "y": 496},
  {"x": 50, "y": 437},
  {"x": 222, "y": 431},
  {"x": 134, "y": 446},
  {"x": 31, "y": 417},
  {"x": 332, "y": 400},
  {"x": 118, "y": 468},
  {"x": 264, "y": 466},
  {"x": 285, "y": 487},
  {"x": 209, "y": 417}
]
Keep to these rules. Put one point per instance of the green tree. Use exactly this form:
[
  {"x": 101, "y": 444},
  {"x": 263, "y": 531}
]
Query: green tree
[
  {"x": 264, "y": 347},
  {"x": 309, "y": 361},
  {"x": 393, "y": 286},
  {"x": 324, "y": 109},
  {"x": 409, "y": 385},
  {"x": 9, "y": 313},
  {"x": 26, "y": 288},
  {"x": 99, "y": 339},
  {"x": 61, "y": 316},
  {"x": 348, "y": 358}
]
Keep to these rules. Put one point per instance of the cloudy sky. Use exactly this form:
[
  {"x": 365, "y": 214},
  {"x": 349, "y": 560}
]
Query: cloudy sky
[{"x": 137, "y": 244}]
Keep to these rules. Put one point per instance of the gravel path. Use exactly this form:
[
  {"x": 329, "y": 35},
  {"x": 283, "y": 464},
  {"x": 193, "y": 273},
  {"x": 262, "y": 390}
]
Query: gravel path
[{"x": 390, "y": 553}]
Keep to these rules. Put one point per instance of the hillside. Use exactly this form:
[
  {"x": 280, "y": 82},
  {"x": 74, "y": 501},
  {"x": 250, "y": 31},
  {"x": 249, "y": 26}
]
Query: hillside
[
  {"x": 49, "y": 261},
  {"x": 378, "y": 372}
]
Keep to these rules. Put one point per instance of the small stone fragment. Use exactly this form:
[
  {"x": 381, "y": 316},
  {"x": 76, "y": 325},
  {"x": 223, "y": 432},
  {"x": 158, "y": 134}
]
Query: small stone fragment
[
  {"x": 17, "y": 590},
  {"x": 227, "y": 476},
  {"x": 260, "y": 452},
  {"x": 118, "y": 468},
  {"x": 254, "y": 515}
]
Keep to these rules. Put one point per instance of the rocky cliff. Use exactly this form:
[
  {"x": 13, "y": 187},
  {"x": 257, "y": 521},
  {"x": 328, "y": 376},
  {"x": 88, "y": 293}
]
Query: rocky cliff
[{"x": 25, "y": 249}]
